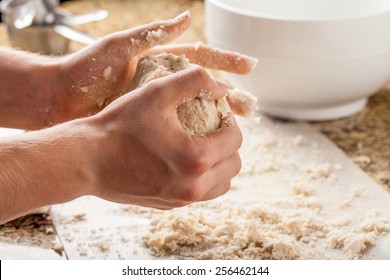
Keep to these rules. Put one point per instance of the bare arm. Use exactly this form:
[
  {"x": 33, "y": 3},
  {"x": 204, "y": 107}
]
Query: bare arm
[
  {"x": 114, "y": 154},
  {"x": 25, "y": 88},
  {"x": 38, "y": 91},
  {"x": 42, "y": 168}
]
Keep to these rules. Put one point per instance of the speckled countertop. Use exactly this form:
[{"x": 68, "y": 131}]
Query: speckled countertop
[{"x": 365, "y": 137}]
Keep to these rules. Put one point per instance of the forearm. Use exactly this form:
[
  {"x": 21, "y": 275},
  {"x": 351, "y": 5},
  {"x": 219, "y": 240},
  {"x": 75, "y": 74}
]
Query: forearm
[
  {"x": 43, "y": 168},
  {"x": 25, "y": 83}
]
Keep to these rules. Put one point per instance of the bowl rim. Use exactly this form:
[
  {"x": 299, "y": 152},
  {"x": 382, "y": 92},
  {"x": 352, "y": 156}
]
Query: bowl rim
[{"x": 256, "y": 15}]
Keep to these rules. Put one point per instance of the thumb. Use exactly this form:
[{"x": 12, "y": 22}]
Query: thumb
[{"x": 188, "y": 84}]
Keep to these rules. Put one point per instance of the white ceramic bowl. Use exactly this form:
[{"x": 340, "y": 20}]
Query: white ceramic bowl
[{"x": 318, "y": 59}]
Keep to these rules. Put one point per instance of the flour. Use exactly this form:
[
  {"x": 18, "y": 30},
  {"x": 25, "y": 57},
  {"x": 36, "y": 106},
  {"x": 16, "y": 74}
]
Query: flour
[
  {"x": 232, "y": 233},
  {"x": 107, "y": 72},
  {"x": 285, "y": 229},
  {"x": 155, "y": 36},
  {"x": 300, "y": 224}
]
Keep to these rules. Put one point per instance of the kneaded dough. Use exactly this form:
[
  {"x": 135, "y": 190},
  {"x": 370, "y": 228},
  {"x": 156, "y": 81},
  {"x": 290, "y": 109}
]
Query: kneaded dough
[{"x": 199, "y": 116}]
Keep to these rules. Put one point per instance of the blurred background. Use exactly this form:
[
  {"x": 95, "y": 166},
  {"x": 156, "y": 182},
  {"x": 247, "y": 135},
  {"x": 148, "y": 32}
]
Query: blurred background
[
  {"x": 60, "y": 1},
  {"x": 120, "y": 15}
]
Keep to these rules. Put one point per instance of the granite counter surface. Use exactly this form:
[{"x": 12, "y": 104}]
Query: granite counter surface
[{"x": 364, "y": 137}]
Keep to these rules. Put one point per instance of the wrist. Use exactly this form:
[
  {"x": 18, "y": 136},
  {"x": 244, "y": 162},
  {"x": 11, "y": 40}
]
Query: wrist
[
  {"x": 28, "y": 84},
  {"x": 78, "y": 154},
  {"x": 47, "y": 83},
  {"x": 65, "y": 156},
  {"x": 45, "y": 167}
]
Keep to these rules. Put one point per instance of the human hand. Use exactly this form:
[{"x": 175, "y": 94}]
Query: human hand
[
  {"x": 95, "y": 76},
  {"x": 142, "y": 155}
]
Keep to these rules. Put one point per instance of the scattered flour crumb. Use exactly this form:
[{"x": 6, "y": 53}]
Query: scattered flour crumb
[
  {"x": 58, "y": 247},
  {"x": 107, "y": 72},
  {"x": 298, "y": 140},
  {"x": 84, "y": 89},
  {"x": 134, "y": 41},
  {"x": 303, "y": 189},
  {"x": 234, "y": 233},
  {"x": 205, "y": 94},
  {"x": 101, "y": 245},
  {"x": 353, "y": 243},
  {"x": 318, "y": 171},
  {"x": 155, "y": 36},
  {"x": 287, "y": 228},
  {"x": 362, "y": 159},
  {"x": 79, "y": 217},
  {"x": 271, "y": 141},
  {"x": 338, "y": 166},
  {"x": 49, "y": 230},
  {"x": 73, "y": 219}
]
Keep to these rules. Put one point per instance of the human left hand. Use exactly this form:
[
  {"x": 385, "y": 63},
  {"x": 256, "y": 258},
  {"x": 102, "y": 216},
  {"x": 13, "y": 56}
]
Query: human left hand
[{"x": 89, "y": 79}]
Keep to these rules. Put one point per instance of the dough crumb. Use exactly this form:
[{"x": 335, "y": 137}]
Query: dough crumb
[
  {"x": 362, "y": 159},
  {"x": 338, "y": 167},
  {"x": 243, "y": 103},
  {"x": 84, "y": 89},
  {"x": 155, "y": 36},
  {"x": 107, "y": 72},
  {"x": 289, "y": 228},
  {"x": 318, "y": 171},
  {"x": 58, "y": 247},
  {"x": 302, "y": 189},
  {"x": 193, "y": 235},
  {"x": 298, "y": 140}
]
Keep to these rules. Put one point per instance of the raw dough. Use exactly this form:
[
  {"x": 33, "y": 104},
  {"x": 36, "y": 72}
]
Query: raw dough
[{"x": 199, "y": 116}]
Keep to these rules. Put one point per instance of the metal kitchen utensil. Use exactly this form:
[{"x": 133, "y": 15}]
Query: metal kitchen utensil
[
  {"x": 63, "y": 17},
  {"x": 41, "y": 26},
  {"x": 25, "y": 15},
  {"x": 74, "y": 34},
  {"x": 49, "y": 9},
  {"x": 38, "y": 38}
]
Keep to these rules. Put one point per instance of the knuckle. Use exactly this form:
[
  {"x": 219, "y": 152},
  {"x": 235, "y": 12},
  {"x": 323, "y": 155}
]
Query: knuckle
[
  {"x": 237, "y": 164},
  {"x": 240, "y": 137},
  {"x": 226, "y": 187},
  {"x": 201, "y": 76},
  {"x": 195, "y": 163},
  {"x": 191, "y": 193}
]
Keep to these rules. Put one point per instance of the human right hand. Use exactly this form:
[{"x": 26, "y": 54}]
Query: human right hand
[{"x": 142, "y": 155}]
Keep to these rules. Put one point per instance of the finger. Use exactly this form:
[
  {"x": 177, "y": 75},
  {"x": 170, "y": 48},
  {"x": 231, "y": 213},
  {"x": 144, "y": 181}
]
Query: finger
[
  {"x": 152, "y": 201},
  {"x": 221, "y": 174},
  {"x": 210, "y": 57},
  {"x": 186, "y": 85},
  {"x": 211, "y": 184},
  {"x": 219, "y": 145},
  {"x": 141, "y": 38},
  {"x": 217, "y": 191},
  {"x": 217, "y": 180},
  {"x": 242, "y": 103}
]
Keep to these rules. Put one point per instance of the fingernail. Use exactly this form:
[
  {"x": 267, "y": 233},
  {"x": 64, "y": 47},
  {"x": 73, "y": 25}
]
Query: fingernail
[
  {"x": 253, "y": 62},
  {"x": 222, "y": 85},
  {"x": 183, "y": 15}
]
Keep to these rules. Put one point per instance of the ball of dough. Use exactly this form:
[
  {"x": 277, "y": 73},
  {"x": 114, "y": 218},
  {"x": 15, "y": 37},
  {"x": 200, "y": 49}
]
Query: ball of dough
[{"x": 199, "y": 116}]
